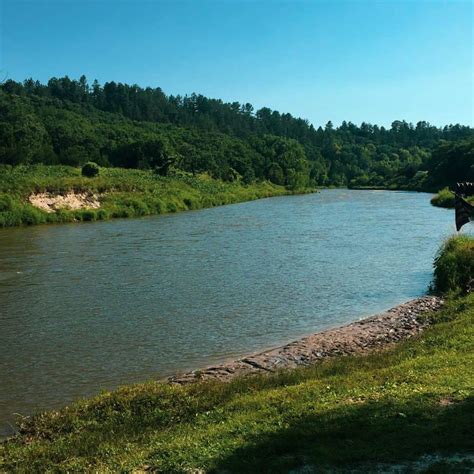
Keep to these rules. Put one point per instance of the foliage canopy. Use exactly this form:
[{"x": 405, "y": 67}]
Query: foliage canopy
[{"x": 72, "y": 122}]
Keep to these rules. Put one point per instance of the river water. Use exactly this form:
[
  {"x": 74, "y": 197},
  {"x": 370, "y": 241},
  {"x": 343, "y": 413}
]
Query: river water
[{"x": 86, "y": 307}]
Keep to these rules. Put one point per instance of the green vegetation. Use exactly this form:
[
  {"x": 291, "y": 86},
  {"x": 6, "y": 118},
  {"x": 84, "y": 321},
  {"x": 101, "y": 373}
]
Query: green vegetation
[
  {"x": 454, "y": 265},
  {"x": 71, "y": 122},
  {"x": 450, "y": 163},
  {"x": 90, "y": 169},
  {"x": 388, "y": 407},
  {"x": 123, "y": 193},
  {"x": 444, "y": 198}
]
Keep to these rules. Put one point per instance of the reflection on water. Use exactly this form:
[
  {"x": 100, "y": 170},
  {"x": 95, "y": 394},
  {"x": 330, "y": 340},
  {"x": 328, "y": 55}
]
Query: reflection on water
[{"x": 92, "y": 306}]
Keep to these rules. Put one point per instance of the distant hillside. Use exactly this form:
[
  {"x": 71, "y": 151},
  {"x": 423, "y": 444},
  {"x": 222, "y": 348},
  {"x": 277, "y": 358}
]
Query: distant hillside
[{"x": 71, "y": 122}]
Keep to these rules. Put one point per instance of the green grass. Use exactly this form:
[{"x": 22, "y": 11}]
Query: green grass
[
  {"x": 454, "y": 265},
  {"x": 125, "y": 193},
  {"x": 444, "y": 198},
  {"x": 388, "y": 407}
]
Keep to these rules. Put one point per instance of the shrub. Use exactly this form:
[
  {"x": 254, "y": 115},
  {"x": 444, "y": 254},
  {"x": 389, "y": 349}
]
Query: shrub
[
  {"x": 454, "y": 265},
  {"x": 90, "y": 169}
]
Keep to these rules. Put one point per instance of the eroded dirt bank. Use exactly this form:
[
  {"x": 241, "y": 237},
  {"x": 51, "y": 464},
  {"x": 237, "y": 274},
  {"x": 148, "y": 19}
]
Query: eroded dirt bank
[
  {"x": 369, "y": 334},
  {"x": 50, "y": 202}
]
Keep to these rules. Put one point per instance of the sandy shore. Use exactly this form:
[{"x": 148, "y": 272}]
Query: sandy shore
[{"x": 376, "y": 332}]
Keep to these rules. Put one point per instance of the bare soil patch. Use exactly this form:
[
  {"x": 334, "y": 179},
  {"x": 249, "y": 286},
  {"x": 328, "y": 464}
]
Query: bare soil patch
[{"x": 50, "y": 202}]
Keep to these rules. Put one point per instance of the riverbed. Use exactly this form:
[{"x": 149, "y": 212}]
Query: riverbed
[{"x": 86, "y": 307}]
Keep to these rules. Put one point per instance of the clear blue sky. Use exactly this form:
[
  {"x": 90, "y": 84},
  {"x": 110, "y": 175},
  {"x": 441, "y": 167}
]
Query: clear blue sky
[{"x": 373, "y": 61}]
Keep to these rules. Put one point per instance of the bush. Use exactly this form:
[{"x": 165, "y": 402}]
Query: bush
[
  {"x": 454, "y": 265},
  {"x": 90, "y": 169}
]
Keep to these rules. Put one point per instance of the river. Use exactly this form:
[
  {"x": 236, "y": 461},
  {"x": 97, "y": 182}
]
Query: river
[{"x": 86, "y": 307}]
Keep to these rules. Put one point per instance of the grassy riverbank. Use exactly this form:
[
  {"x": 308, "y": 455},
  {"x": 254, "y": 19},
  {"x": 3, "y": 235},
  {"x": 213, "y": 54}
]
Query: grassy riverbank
[
  {"x": 122, "y": 193},
  {"x": 454, "y": 265},
  {"x": 389, "y": 407},
  {"x": 445, "y": 198}
]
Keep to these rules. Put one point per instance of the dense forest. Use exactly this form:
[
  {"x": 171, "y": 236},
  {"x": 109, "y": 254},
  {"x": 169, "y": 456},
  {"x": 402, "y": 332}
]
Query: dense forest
[{"x": 71, "y": 122}]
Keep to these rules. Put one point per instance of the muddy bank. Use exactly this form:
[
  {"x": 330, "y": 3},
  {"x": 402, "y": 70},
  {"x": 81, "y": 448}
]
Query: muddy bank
[
  {"x": 50, "y": 202},
  {"x": 376, "y": 332}
]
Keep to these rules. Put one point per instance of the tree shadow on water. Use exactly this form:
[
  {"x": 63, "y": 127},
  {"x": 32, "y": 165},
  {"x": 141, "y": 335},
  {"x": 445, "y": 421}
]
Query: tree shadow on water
[{"x": 361, "y": 434}]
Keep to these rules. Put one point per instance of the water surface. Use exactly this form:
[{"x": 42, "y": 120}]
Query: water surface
[{"x": 85, "y": 307}]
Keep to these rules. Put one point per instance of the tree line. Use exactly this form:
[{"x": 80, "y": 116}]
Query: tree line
[{"x": 70, "y": 121}]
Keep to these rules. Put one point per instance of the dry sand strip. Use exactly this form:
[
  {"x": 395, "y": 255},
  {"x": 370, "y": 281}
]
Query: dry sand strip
[{"x": 376, "y": 332}]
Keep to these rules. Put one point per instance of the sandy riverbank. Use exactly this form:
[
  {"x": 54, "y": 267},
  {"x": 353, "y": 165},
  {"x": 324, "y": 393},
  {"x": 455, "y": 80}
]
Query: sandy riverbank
[{"x": 373, "y": 333}]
